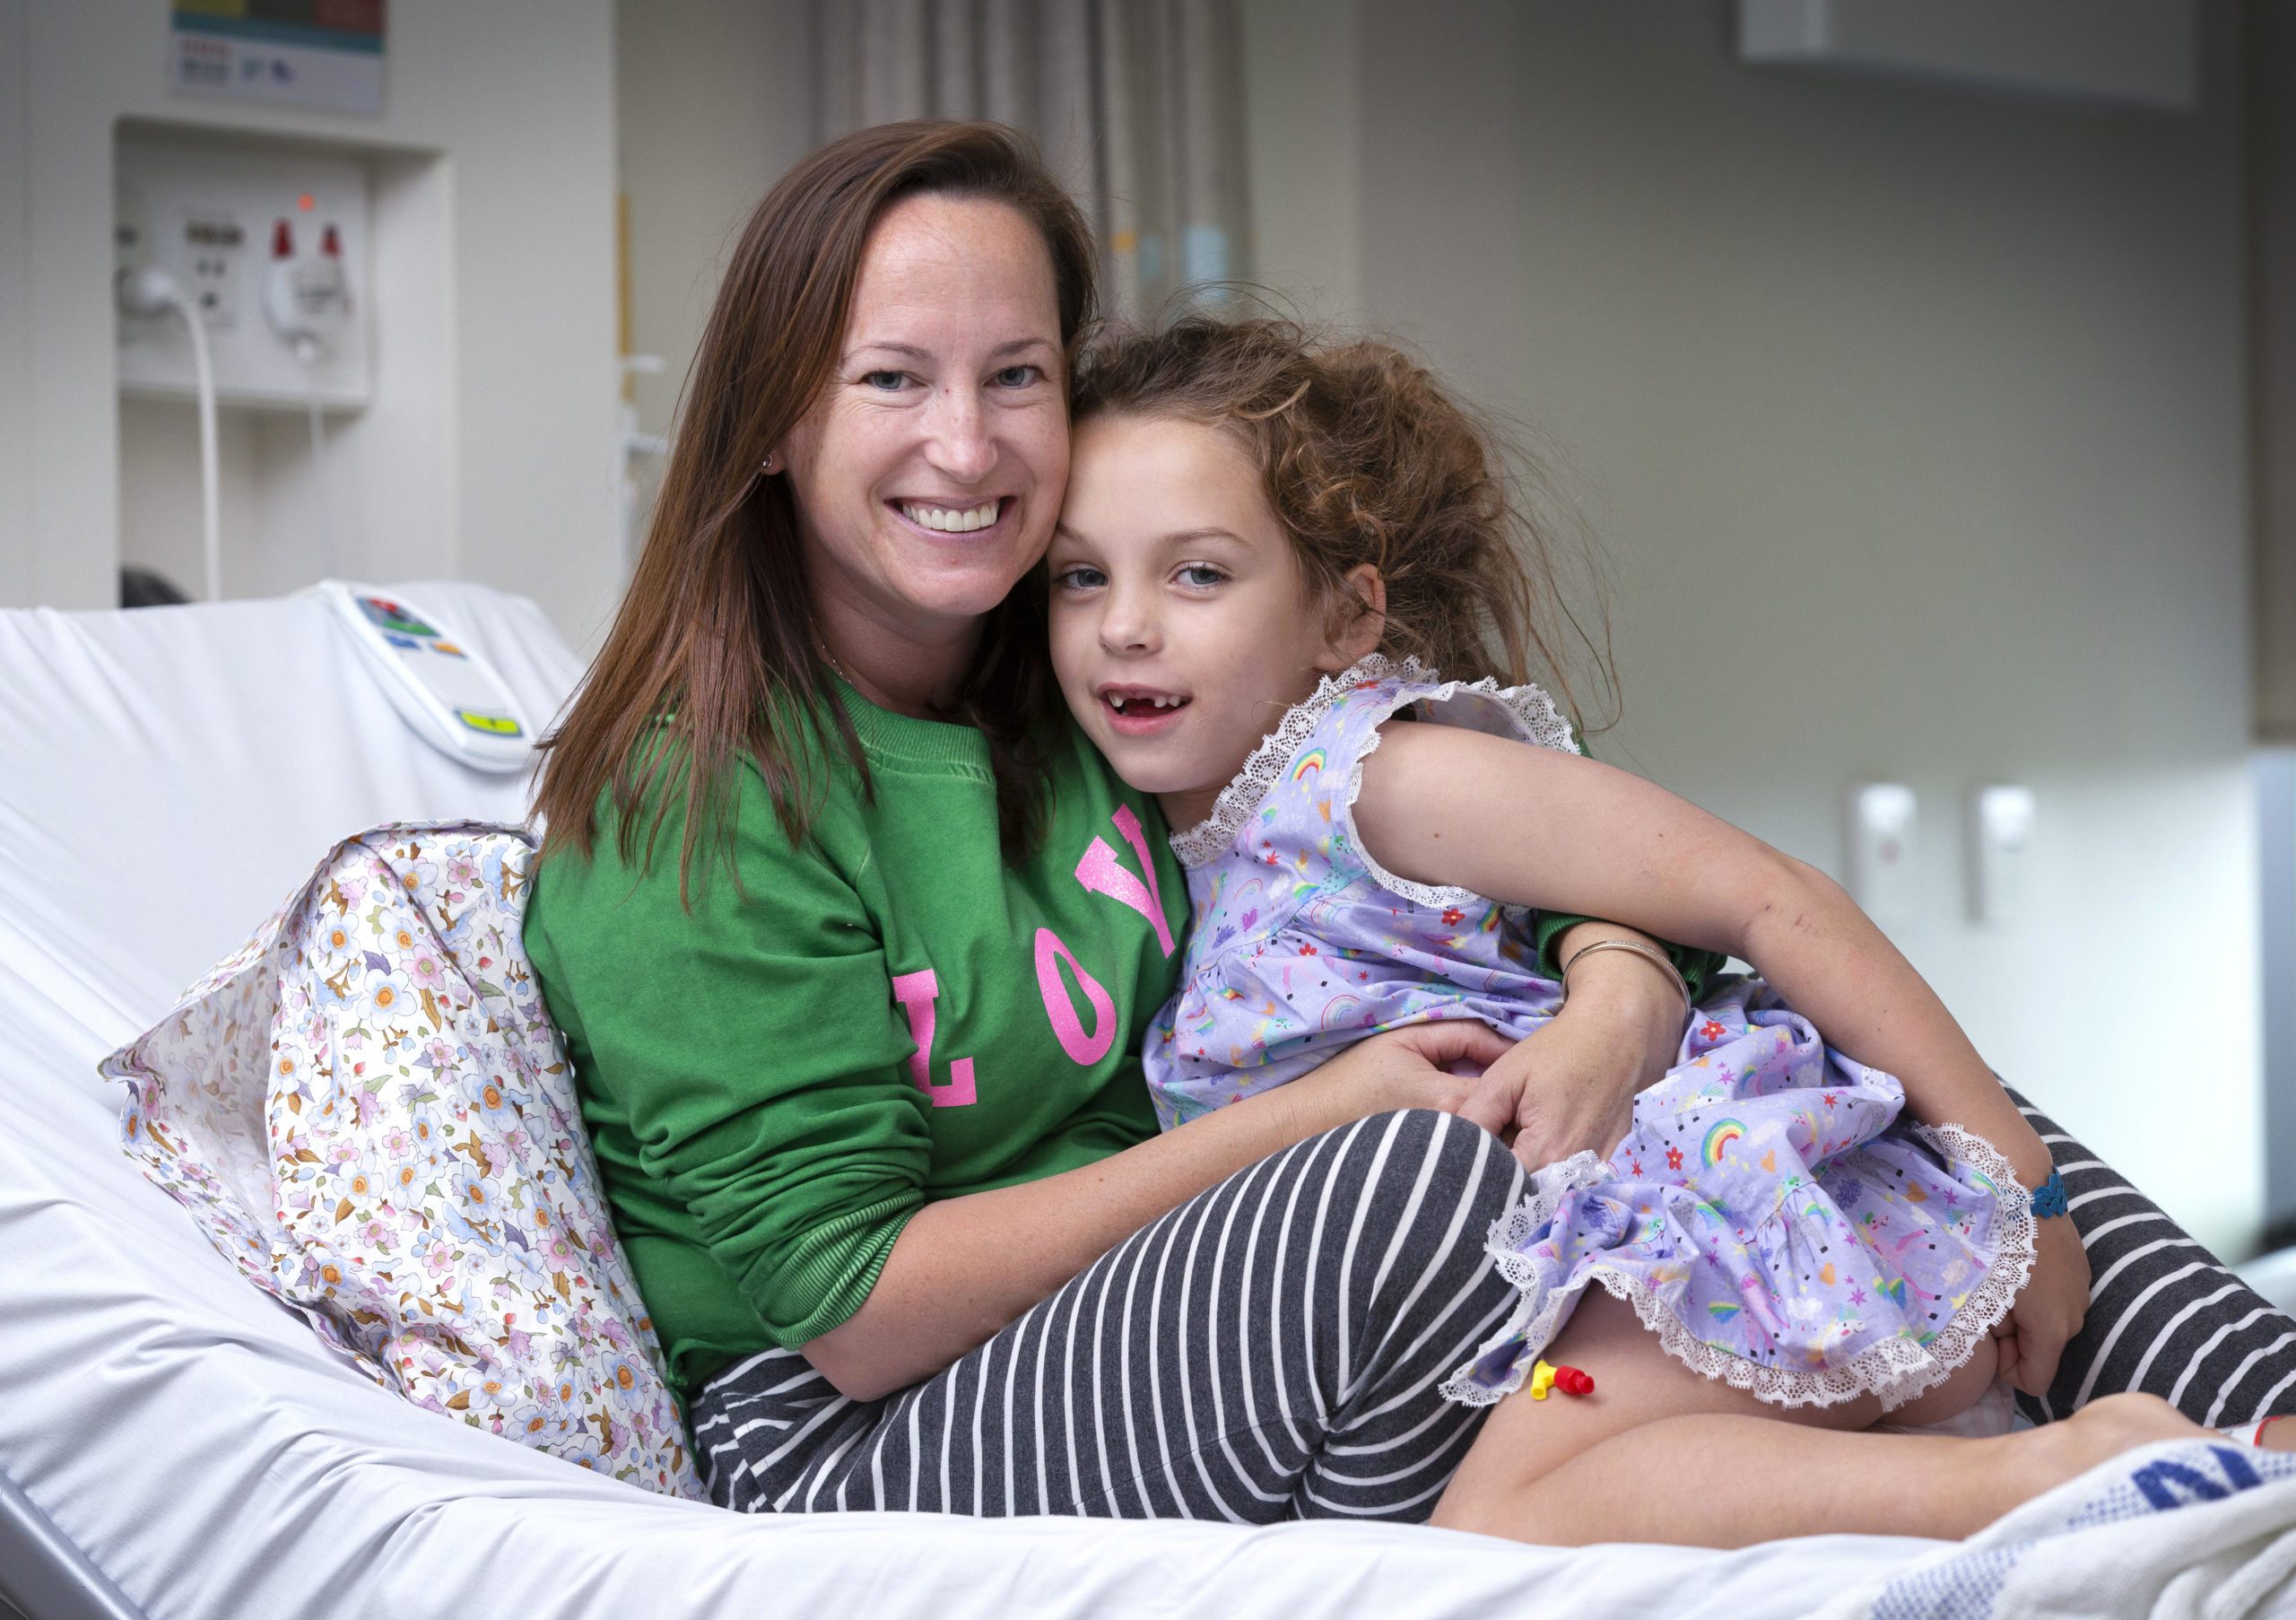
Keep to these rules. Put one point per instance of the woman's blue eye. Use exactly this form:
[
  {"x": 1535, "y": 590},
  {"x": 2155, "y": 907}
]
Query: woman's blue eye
[
  {"x": 883, "y": 379},
  {"x": 1017, "y": 377}
]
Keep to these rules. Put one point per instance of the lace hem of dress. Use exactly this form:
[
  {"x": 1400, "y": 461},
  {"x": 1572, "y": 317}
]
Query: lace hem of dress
[
  {"x": 1895, "y": 1369},
  {"x": 1532, "y": 710}
]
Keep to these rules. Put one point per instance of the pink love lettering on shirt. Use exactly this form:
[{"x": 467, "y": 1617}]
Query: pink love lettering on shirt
[
  {"x": 1067, "y": 1028},
  {"x": 1101, "y": 875},
  {"x": 916, "y": 992}
]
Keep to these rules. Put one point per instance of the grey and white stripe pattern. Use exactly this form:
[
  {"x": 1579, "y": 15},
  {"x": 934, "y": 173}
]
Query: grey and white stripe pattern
[
  {"x": 2165, "y": 1316},
  {"x": 1269, "y": 1350}
]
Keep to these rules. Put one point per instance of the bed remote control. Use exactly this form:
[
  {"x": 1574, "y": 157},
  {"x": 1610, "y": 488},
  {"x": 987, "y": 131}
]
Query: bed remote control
[{"x": 446, "y": 691}]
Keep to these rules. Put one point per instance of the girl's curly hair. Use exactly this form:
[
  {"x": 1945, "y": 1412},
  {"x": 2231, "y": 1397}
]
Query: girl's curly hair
[{"x": 1365, "y": 457}]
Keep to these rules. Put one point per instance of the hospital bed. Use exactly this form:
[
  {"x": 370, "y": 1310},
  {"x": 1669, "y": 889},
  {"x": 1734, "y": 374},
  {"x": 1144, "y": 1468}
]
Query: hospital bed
[{"x": 174, "y": 1444}]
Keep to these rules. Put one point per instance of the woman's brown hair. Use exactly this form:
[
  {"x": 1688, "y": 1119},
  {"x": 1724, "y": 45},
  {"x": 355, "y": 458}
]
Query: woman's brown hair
[
  {"x": 713, "y": 651},
  {"x": 1366, "y": 458}
]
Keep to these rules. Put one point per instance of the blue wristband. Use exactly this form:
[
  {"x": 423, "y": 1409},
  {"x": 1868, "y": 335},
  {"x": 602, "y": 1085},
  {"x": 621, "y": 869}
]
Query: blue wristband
[{"x": 2048, "y": 1198}]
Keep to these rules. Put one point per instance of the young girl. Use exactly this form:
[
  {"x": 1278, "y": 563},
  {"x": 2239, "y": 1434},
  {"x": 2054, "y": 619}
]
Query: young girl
[{"x": 1292, "y": 597}]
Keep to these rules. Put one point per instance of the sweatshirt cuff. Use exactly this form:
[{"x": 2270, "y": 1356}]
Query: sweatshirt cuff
[{"x": 818, "y": 1282}]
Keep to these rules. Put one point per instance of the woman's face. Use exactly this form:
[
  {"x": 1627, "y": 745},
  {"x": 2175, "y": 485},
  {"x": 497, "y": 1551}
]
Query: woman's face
[{"x": 928, "y": 474}]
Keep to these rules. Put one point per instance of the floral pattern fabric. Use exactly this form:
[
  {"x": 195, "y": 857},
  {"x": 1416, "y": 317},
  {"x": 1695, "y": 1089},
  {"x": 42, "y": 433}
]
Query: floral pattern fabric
[
  {"x": 1772, "y": 1216},
  {"x": 368, "y": 1111}
]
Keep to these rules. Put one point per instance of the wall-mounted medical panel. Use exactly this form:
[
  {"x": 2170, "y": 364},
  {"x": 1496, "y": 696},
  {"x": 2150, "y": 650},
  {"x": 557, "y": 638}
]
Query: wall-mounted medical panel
[
  {"x": 272, "y": 243},
  {"x": 2099, "y": 53}
]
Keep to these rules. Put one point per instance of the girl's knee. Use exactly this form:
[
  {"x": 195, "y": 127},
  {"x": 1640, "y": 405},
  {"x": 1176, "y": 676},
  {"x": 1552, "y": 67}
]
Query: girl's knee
[{"x": 1493, "y": 1495}]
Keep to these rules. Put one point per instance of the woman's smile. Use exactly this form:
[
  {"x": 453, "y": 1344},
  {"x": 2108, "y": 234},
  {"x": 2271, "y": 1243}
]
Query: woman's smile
[{"x": 940, "y": 517}]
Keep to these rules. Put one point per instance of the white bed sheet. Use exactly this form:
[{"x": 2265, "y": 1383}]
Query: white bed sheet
[{"x": 165, "y": 777}]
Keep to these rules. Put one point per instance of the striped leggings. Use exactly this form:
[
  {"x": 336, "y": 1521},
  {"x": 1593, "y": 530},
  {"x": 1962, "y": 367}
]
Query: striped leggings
[
  {"x": 2165, "y": 1316},
  {"x": 1269, "y": 1350}
]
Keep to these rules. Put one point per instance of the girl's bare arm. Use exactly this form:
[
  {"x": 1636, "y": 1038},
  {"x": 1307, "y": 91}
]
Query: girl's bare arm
[{"x": 1577, "y": 835}]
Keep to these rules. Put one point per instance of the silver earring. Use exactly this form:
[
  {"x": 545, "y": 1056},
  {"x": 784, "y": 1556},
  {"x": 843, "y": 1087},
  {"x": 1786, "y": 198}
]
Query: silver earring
[{"x": 767, "y": 464}]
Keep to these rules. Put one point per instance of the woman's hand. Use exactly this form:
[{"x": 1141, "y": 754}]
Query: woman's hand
[
  {"x": 1420, "y": 1066},
  {"x": 1571, "y": 1085},
  {"x": 1565, "y": 1087}
]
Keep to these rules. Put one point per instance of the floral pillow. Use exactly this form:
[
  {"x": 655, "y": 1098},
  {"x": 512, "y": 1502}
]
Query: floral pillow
[{"x": 369, "y": 1113}]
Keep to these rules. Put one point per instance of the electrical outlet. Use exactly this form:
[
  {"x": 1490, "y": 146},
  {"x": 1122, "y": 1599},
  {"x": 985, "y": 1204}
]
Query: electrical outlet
[
  {"x": 2001, "y": 821},
  {"x": 213, "y": 249},
  {"x": 1884, "y": 870}
]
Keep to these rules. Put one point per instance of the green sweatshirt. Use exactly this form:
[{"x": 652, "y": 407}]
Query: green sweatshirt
[{"x": 885, "y": 1016}]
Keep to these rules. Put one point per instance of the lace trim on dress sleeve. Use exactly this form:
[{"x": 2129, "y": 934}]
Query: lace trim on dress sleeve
[
  {"x": 1240, "y": 800},
  {"x": 1536, "y": 718},
  {"x": 1533, "y": 713}
]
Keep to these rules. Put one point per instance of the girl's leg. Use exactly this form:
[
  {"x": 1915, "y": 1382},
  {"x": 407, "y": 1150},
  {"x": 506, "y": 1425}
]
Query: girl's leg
[
  {"x": 1269, "y": 1350},
  {"x": 1659, "y": 1453}
]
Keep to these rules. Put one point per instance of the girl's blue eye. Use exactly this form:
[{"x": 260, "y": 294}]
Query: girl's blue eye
[
  {"x": 1017, "y": 377},
  {"x": 1079, "y": 577},
  {"x": 1202, "y": 575}
]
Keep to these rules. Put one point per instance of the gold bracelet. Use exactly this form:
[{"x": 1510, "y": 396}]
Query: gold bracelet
[{"x": 1648, "y": 953}]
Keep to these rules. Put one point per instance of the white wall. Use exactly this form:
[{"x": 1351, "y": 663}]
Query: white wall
[
  {"x": 499, "y": 467},
  {"x": 1912, "y": 423},
  {"x": 717, "y": 103},
  {"x": 1303, "y": 134}
]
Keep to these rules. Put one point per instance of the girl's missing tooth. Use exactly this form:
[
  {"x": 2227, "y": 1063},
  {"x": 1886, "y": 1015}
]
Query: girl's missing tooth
[{"x": 1273, "y": 558}]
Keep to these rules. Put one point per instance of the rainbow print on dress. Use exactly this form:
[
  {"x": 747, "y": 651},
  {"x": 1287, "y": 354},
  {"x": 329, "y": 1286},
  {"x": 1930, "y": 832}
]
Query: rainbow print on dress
[{"x": 1719, "y": 1139}]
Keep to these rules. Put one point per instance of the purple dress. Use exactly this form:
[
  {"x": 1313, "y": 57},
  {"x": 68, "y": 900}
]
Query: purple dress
[{"x": 1770, "y": 1214}]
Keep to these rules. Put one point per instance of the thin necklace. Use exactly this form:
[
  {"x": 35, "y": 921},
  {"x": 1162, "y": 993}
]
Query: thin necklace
[{"x": 846, "y": 675}]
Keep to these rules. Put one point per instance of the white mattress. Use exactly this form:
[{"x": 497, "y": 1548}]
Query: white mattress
[{"x": 166, "y": 776}]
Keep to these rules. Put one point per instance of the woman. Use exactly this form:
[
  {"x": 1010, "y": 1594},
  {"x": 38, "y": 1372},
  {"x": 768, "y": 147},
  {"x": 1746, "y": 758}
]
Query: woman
[{"x": 853, "y": 939}]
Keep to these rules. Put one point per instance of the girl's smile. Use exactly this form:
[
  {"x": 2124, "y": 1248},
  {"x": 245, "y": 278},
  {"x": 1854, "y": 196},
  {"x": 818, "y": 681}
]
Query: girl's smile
[{"x": 1141, "y": 711}]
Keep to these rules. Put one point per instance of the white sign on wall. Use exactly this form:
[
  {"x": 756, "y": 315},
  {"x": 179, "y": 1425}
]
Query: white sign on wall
[{"x": 326, "y": 54}]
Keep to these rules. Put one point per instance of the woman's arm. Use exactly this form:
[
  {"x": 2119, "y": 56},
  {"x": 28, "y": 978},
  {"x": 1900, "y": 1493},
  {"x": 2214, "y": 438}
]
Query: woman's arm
[
  {"x": 1582, "y": 836},
  {"x": 957, "y": 1274},
  {"x": 963, "y": 1267}
]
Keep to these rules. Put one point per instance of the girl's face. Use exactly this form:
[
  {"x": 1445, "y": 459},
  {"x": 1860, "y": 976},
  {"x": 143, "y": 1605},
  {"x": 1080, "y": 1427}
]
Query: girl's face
[
  {"x": 1181, "y": 624},
  {"x": 927, "y": 474}
]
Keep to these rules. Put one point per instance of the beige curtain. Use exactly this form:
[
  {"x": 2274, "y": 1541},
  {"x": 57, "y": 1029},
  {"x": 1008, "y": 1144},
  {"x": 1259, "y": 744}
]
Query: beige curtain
[{"x": 1137, "y": 105}]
